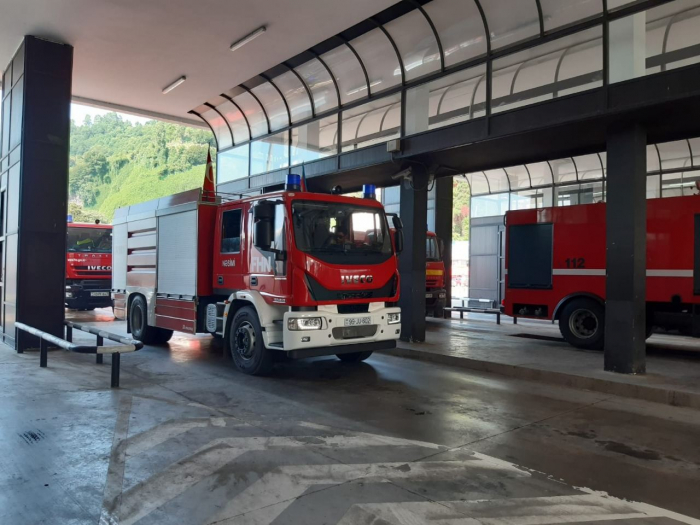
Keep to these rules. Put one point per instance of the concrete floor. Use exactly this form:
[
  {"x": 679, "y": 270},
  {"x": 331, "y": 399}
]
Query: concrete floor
[{"x": 189, "y": 440}]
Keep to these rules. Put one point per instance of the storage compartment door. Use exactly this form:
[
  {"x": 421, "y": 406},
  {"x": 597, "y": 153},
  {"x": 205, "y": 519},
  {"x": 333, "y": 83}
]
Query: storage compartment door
[
  {"x": 177, "y": 254},
  {"x": 119, "y": 253},
  {"x": 530, "y": 256}
]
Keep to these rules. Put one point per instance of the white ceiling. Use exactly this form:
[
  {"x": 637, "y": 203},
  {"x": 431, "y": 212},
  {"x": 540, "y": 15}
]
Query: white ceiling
[{"x": 127, "y": 51}]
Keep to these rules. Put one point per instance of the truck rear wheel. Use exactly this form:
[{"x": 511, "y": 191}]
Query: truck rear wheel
[
  {"x": 354, "y": 357},
  {"x": 582, "y": 324},
  {"x": 246, "y": 344},
  {"x": 140, "y": 329}
]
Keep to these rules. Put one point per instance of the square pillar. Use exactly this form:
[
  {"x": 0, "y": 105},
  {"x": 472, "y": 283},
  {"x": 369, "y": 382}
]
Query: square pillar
[
  {"x": 34, "y": 153},
  {"x": 443, "y": 227},
  {"x": 414, "y": 214},
  {"x": 626, "y": 230}
]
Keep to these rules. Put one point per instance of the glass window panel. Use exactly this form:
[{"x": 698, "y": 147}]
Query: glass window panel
[
  {"x": 347, "y": 72},
  {"x": 490, "y": 205},
  {"x": 321, "y": 85},
  {"x": 460, "y": 27},
  {"x": 527, "y": 200},
  {"x": 519, "y": 177},
  {"x": 379, "y": 58},
  {"x": 362, "y": 126},
  {"x": 617, "y": 4},
  {"x": 695, "y": 148},
  {"x": 253, "y": 112},
  {"x": 567, "y": 195},
  {"x": 236, "y": 121},
  {"x": 558, "y": 13},
  {"x": 498, "y": 180},
  {"x": 589, "y": 167},
  {"x": 315, "y": 140},
  {"x": 5, "y": 131},
  {"x": 652, "y": 159},
  {"x": 683, "y": 33},
  {"x": 529, "y": 76},
  {"x": 416, "y": 43},
  {"x": 219, "y": 125},
  {"x": 564, "y": 170},
  {"x": 16, "y": 113},
  {"x": 232, "y": 164},
  {"x": 540, "y": 173},
  {"x": 511, "y": 22},
  {"x": 674, "y": 155},
  {"x": 273, "y": 104},
  {"x": 591, "y": 193},
  {"x": 677, "y": 184},
  {"x": 604, "y": 159},
  {"x": 296, "y": 95},
  {"x": 653, "y": 186},
  {"x": 478, "y": 183},
  {"x": 270, "y": 153}
]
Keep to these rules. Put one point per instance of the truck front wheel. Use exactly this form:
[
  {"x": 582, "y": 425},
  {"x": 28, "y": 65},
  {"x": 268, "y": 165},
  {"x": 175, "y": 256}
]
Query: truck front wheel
[
  {"x": 246, "y": 344},
  {"x": 140, "y": 329},
  {"x": 354, "y": 357},
  {"x": 582, "y": 324}
]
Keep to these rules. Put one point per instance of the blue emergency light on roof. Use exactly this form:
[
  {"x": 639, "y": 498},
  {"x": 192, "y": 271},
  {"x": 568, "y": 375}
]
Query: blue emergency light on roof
[
  {"x": 69, "y": 218},
  {"x": 293, "y": 182},
  {"x": 369, "y": 191}
]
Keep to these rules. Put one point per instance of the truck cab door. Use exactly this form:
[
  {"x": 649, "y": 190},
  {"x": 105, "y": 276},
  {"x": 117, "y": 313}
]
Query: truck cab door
[{"x": 229, "y": 245}]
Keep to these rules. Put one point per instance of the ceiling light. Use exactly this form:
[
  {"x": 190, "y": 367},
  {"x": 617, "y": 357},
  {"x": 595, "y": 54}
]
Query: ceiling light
[
  {"x": 243, "y": 41},
  {"x": 172, "y": 86}
]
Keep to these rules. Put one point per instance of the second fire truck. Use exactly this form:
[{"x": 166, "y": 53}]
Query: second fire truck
[
  {"x": 293, "y": 272},
  {"x": 88, "y": 265}
]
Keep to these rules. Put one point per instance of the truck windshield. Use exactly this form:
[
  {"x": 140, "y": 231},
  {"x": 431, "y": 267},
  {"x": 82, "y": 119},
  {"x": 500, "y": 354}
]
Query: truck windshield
[
  {"x": 432, "y": 249},
  {"x": 341, "y": 233},
  {"x": 89, "y": 240}
]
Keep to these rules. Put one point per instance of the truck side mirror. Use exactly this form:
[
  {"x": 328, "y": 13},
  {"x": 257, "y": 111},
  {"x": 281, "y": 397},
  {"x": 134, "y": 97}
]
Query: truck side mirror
[
  {"x": 396, "y": 220},
  {"x": 441, "y": 246},
  {"x": 398, "y": 241},
  {"x": 264, "y": 217}
]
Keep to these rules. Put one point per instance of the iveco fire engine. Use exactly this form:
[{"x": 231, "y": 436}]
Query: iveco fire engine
[
  {"x": 556, "y": 267},
  {"x": 292, "y": 272},
  {"x": 88, "y": 265}
]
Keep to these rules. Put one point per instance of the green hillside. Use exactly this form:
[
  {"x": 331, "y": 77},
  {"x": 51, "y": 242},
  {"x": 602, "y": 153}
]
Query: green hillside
[{"x": 115, "y": 163}]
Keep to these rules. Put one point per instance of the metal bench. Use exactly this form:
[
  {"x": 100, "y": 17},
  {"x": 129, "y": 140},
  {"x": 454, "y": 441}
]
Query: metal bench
[
  {"x": 466, "y": 308},
  {"x": 45, "y": 339}
]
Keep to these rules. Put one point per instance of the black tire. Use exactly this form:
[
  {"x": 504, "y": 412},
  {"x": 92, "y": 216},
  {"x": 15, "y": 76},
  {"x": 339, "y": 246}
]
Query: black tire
[
  {"x": 138, "y": 321},
  {"x": 582, "y": 324},
  {"x": 163, "y": 336},
  {"x": 246, "y": 345},
  {"x": 354, "y": 357}
]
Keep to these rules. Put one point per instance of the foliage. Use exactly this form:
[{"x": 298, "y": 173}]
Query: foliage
[
  {"x": 460, "y": 209},
  {"x": 80, "y": 214},
  {"x": 116, "y": 163}
]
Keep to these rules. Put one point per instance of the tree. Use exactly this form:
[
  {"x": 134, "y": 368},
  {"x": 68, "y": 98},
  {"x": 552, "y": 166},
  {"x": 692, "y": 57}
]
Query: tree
[{"x": 460, "y": 209}]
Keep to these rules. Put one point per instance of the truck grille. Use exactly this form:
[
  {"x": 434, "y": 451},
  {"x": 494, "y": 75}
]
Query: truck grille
[{"x": 354, "y": 332}]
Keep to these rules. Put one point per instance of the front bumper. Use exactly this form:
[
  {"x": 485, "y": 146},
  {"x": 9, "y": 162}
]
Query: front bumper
[
  {"x": 435, "y": 297},
  {"x": 334, "y": 332},
  {"x": 77, "y": 297}
]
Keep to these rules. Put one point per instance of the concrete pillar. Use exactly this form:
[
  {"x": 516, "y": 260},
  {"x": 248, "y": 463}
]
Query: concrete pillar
[
  {"x": 443, "y": 227},
  {"x": 625, "y": 306},
  {"x": 414, "y": 206},
  {"x": 34, "y": 187},
  {"x": 627, "y": 50}
]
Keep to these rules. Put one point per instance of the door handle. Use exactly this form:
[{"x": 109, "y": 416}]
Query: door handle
[
  {"x": 253, "y": 281},
  {"x": 220, "y": 279}
]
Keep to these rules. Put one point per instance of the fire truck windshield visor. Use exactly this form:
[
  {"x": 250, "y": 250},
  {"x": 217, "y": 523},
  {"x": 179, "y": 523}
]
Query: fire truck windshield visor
[
  {"x": 340, "y": 232},
  {"x": 89, "y": 240}
]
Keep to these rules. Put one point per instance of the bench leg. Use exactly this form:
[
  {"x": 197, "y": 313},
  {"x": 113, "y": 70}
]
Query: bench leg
[
  {"x": 115, "y": 370},
  {"x": 515, "y": 320},
  {"x": 100, "y": 342},
  {"x": 43, "y": 353},
  {"x": 461, "y": 315},
  {"x": 69, "y": 334},
  {"x": 498, "y": 318}
]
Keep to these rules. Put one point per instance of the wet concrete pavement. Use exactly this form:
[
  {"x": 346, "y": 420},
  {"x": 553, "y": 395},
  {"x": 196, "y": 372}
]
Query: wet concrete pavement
[{"x": 187, "y": 440}]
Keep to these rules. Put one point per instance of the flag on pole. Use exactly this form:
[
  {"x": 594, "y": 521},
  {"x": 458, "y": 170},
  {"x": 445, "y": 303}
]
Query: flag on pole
[{"x": 208, "y": 189}]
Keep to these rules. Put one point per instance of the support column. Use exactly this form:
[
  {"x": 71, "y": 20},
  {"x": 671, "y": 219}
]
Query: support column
[
  {"x": 414, "y": 214},
  {"x": 34, "y": 187},
  {"x": 443, "y": 227},
  {"x": 626, "y": 215}
]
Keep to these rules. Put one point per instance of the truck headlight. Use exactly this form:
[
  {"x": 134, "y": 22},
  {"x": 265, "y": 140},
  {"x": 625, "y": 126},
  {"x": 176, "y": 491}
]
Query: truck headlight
[
  {"x": 304, "y": 323},
  {"x": 394, "y": 318},
  {"x": 69, "y": 294}
]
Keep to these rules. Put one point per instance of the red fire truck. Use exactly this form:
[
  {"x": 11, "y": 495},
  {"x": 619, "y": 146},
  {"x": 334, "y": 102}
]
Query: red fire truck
[
  {"x": 88, "y": 266},
  {"x": 435, "y": 293},
  {"x": 291, "y": 272},
  {"x": 556, "y": 269}
]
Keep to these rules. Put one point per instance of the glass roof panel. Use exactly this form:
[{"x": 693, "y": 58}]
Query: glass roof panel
[
  {"x": 564, "y": 170},
  {"x": 221, "y": 130},
  {"x": 321, "y": 85},
  {"x": 478, "y": 183},
  {"x": 558, "y": 13},
  {"x": 273, "y": 104},
  {"x": 236, "y": 121},
  {"x": 253, "y": 112},
  {"x": 451, "y": 97},
  {"x": 498, "y": 180},
  {"x": 540, "y": 173},
  {"x": 416, "y": 43},
  {"x": 347, "y": 72},
  {"x": 371, "y": 123},
  {"x": 695, "y": 148},
  {"x": 519, "y": 177},
  {"x": 510, "y": 22},
  {"x": 460, "y": 28},
  {"x": 379, "y": 58},
  {"x": 581, "y": 67},
  {"x": 674, "y": 155},
  {"x": 652, "y": 159},
  {"x": 589, "y": 167},
  {"x": 296, "y": 95}
]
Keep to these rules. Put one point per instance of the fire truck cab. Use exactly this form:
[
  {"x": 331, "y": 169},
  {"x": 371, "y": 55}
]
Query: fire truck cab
[
  {"x": 556, "y": 267},
  {"x": 435, "y": 292},
  {"x": 88, "y": 266},
  {"x": 292, "y": 272}
]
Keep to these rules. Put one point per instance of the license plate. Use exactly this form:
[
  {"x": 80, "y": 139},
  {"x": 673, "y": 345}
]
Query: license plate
[
  {"x": 99, "y": 294},
  {"x": 358, "y": 321},
  {"x": 428, "y": 296}
]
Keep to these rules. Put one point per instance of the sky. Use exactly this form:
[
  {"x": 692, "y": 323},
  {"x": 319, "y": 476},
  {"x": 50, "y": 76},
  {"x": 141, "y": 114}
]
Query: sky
[{"x": 79, "y": 112}]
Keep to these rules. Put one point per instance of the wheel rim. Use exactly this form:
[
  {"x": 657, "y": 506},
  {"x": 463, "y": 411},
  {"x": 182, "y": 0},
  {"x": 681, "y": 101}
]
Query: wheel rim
[
  {"x": 583, "y": 323},
  {"x": 136, "y": 323},
  {"x": 245, "y": 340}
]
